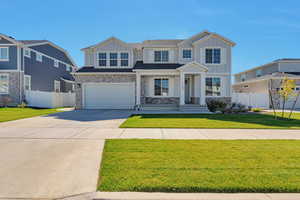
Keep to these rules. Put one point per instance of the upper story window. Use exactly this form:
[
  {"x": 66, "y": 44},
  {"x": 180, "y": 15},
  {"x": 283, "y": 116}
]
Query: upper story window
[
  {"x": 124, "y": 59},
  {"x": 4, "y": 78},
  {"x": 213, "y": 86},
  {"x": 39, "y": 57},
  {"x": 55, "y": 63},
  {"x": 186, "y": 53},
  {"x": 213, "y": 56},
  {"x": 4, "y": 54},
  {"x": 102, "y": 59},
  {"x": 27, "y": 53},
  {"x": 161, "y": 56},
  {"x": 68, "y": 68},
  {"x": 243, "y": 77},
  {"x": 258, "y": 73},
  {"x": 113, "y": 59}
]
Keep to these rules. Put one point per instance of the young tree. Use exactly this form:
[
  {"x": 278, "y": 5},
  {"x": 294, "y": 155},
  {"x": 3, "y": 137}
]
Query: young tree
[{"x": 286, "y": 91}]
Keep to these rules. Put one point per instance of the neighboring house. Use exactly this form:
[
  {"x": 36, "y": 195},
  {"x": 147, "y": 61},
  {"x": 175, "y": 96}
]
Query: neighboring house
[
  {"x": 33, "y": 65},
  {"x": 159, "y": 73},
  {"x": 268, "y": 77}
]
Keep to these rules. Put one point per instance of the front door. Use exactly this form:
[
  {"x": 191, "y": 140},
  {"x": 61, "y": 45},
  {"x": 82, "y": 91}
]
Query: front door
[{"x": 187, "y": 91}]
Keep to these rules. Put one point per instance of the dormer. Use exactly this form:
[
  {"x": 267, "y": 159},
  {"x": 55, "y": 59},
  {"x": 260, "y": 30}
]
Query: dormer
[{"x": 111, "y": 53}]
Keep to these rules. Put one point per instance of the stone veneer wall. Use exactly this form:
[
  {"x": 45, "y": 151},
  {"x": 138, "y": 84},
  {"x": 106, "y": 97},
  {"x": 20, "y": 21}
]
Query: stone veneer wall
[
  {"x": 14, "y": 88},
  {"x": 161, "y": 100},
  {"x": 98, "y": 78}
]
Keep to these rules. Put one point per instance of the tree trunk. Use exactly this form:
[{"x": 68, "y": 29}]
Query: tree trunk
[{"x": 271, "y": 98}]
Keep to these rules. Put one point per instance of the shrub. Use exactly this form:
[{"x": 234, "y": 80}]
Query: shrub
[
  {"x": 216, "y": 105},
  {"x": 256, "y": 109}
]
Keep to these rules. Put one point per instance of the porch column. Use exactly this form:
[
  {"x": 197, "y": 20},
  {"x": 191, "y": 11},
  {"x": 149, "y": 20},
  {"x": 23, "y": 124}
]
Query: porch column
[
  {"x": 202, "y": 80},
  {"x": 182, "y": 88},
  {"x": 138, "y": 89}
]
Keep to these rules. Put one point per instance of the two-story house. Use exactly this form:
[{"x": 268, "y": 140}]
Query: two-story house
[
  {"x": 267, "y": 78},
  {"x": 33, "y": 65},
  {"x": 122, "y": 75}
]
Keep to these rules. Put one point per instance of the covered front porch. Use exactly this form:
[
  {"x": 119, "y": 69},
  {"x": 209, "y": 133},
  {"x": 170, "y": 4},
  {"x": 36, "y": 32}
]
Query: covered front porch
[{"x": 180, "y": 88}]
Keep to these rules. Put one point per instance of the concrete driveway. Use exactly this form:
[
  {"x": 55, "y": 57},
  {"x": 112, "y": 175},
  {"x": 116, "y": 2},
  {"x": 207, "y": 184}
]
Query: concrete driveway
[{"x": 38, "y": 158}]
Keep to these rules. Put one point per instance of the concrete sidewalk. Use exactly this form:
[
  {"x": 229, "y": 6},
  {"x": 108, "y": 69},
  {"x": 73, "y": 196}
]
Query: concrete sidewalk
[
  {"x": 160, "y": 133},
  {"x": 184, "y": 196}
]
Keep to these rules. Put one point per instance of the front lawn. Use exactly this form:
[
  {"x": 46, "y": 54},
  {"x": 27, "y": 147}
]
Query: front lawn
[
  {"x": 9, "y": 114},
  {"x": 201, "y": 166},
  {"x": 243, "y": 121}
]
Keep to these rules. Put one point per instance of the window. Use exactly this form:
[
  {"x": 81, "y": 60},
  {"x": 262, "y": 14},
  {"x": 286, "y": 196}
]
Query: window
[
  {"x": 4, "y": 78},
  {"x": 113, "y": 59},
  {"x": 124, "y": 59},
  {"x": 102, "y": 59},
  {"x": 55, "y": 63},
  {"x": 258, "y": 73},
  {"x": 186, "y": 53},
  {"x": 39, "y": 57},
  {"x": 243, "y": 77},
  {"x": 57, "y": 86},
  {"x": 161, "y": 87},
  {"x": 4, "y": 54},
  {"x": 27, "y": 53},
  {"x": 161, "y": 56},
  {"x": 27, "y": 84},
  {"x": 73, "y": 87},
  {"x": 68, "y": 68},
  {"x": 213, "y": 56},
  {"x": 213, "y": 86}
]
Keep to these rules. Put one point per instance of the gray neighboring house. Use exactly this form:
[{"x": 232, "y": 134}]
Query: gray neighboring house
[
  {"x": 267, "y": 77},
  {"x": 155, "y": 74},
  {"x": 33, "y": 65}
]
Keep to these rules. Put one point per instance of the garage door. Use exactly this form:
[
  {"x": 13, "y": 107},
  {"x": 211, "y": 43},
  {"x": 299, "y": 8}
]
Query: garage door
[{"x": 109, "y": 96}]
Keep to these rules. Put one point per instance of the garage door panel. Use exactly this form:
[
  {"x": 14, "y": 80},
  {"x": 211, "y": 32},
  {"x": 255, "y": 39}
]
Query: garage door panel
[{"x": 109, "y": 96}]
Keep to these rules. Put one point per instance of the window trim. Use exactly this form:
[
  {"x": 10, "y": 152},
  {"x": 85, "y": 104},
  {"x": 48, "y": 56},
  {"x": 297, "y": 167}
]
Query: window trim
[
  {"x": 96, "y": 59},
  {"x": 258, "y": 73},
  {"x": 114, "y": 59},
  {"x": 27, "y": 76},
  {"x": 7, "y": 75},
  {"x": 213, "y": 55},
  {"x": 27, "y": 50},
  {"x": 5, "y": 59},
  {"x": 56, "y": 63},
  {"x": 161, "y": 78},
  {"x": 55, "y": 82},
  {"x": 39, "y": 60},
  {"x": 124, "y": 59},
  {"x": 221, "y": 86},
  {"x": 189, "y": 49},
  {"x": 161, "y": 56}
]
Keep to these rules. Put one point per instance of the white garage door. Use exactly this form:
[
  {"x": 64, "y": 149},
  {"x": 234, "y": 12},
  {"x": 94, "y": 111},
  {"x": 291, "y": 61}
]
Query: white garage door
[{"x": 109, "y": 96}]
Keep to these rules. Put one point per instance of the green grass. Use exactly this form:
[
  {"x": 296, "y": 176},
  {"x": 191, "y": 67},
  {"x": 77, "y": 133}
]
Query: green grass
[
  {"x": 9, "y": 114},
  {"x": 243, "y": 121},
  {"x": 201, "y": 166}
]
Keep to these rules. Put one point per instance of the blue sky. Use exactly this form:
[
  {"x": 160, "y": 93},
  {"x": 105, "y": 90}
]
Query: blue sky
[{"x": 264, "y": 30}]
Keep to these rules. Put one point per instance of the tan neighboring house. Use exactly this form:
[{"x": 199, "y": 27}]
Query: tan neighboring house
[
  {"x": 268, "y": 77},
  {"x": 155, "y": 74}
]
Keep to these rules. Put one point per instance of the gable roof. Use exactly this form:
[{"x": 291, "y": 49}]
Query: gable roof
[
  {"x": 9, "y": 38},
  {"x": 106, "y": 41},
  {"x": 32, "y": 41},
  {"x": 194, "y": 64}
]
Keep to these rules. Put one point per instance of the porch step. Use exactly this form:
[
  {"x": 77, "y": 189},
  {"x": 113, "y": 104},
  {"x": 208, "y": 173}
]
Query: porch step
[
  {"x": 194, "y": 108},
  {"x": 159, "y": 107}
]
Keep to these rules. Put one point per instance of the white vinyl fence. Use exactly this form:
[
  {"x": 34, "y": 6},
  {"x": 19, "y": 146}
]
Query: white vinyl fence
[
  {"x": 49, "y": 99},
  {"x": 255, "y": 100}
]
